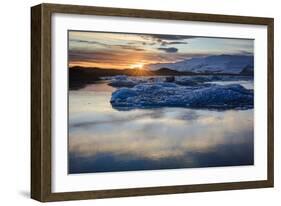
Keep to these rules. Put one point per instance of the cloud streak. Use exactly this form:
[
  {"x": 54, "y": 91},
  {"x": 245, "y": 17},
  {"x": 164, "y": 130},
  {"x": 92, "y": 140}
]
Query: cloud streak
[
  {"x": 170, "y": 37},
  {"x": 121, "y": 59},
  {"x": 104, "y": 45},
  {"x": 169, "y": 49},
  {"x": 164, "y": 40}
]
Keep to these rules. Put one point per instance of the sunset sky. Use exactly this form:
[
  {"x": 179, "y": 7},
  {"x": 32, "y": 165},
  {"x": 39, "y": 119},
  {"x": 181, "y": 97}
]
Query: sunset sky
[{"x": 121, "y": 50}]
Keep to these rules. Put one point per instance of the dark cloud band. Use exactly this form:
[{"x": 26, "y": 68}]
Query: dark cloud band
[{"x": 169, "y": 49}]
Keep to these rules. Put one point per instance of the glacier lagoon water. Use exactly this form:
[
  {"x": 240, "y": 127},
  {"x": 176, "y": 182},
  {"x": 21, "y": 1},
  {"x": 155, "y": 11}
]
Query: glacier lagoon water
[{"x": 103, "y": 139}]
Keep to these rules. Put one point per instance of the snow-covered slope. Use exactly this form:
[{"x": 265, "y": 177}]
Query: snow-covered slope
[{"x": 232, "y": 64}]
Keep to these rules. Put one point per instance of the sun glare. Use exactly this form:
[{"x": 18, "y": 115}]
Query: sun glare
[{"x": 137, "y": 66}]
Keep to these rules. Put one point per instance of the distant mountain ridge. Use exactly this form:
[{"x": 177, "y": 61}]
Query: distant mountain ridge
[{"x": 231, "y": 64}]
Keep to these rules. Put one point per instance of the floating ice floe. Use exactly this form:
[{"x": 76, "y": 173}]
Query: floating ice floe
[
  {"x": 185, "y": 80},
  {"x": 166, "y": 94},
  {"x": 123, "y": 81},
  {"x": 126, "y": 81}
]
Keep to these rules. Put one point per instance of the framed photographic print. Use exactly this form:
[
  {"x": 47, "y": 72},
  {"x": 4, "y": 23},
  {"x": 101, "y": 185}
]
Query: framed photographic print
[{"x": 130, "y": 102}]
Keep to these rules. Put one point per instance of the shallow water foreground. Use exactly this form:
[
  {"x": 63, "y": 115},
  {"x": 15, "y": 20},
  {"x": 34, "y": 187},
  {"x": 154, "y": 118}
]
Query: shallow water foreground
[{"x": 102, "y": 139}]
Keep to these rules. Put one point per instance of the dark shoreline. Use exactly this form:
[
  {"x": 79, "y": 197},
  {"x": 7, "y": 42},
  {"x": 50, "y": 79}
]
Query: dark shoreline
[{"x": 78, "y": 77}]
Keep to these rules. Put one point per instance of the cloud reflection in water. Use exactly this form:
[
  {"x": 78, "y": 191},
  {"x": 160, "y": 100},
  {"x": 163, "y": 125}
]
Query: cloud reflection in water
[{"x": 102, "y": 139}]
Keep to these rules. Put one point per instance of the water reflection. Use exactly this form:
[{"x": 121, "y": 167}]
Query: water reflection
[{"x": 102, "y": 139}]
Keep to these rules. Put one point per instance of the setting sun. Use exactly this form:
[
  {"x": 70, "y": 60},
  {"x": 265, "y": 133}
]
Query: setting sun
[{"x": 137, "y": 66}]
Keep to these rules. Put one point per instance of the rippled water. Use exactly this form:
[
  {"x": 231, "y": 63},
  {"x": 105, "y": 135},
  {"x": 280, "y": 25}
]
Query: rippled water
[{"x": 102, "y": 139}]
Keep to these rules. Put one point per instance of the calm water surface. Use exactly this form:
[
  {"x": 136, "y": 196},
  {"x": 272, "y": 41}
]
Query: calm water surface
[{"x": 102, "y": 139}]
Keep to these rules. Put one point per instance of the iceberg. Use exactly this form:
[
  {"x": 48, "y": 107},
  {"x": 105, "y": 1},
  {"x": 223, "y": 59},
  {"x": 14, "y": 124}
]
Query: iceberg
[
  {"x": 167, "y": 94},
  {"x": 187, "y": 80},
  {"x": 128, "y": 81},
  {"x": 122, "y": 81},
  {"x": 119, "y": 81}
]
